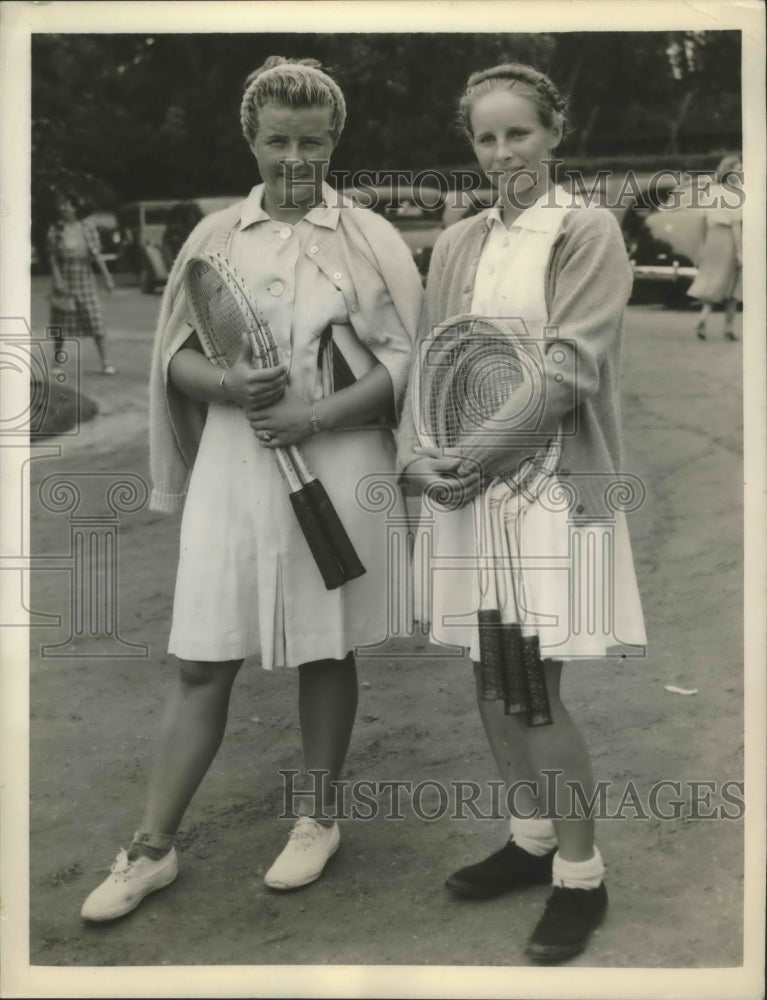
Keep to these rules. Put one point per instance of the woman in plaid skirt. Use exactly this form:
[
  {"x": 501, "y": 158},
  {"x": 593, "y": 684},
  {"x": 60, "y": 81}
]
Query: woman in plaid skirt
[{"x": 73, "y": 245}]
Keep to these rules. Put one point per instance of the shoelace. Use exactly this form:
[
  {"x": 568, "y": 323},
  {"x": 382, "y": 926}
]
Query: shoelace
[
  {"x": 305, "y": 829},
  {"x": 121, "y": 864}
]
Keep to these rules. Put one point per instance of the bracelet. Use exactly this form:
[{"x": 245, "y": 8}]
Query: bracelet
[
  {"x": 222, "y": 386},
  {"x": 314, "y": 421}
]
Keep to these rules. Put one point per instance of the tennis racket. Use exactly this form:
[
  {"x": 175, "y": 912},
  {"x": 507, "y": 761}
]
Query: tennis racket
[
  {"x": 470, "y": 368},
  {"x": 227, "y": 318},
  {"x": 523, "y": 671}
]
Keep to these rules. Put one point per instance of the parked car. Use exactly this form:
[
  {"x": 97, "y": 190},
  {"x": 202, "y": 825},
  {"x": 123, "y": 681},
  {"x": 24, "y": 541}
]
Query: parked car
[
  {"x": 143, "y": 223},
  {"x": 663, "y": 232},
  {"x": 415, "y": 211},
  {"x": 155, "y": 231},
  {"x": 663, "y": 237},
  {"x": 110, "y": 234}
]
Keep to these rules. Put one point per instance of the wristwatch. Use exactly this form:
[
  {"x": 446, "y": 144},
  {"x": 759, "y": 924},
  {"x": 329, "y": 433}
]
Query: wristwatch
[{"x": 314, "y": 421}]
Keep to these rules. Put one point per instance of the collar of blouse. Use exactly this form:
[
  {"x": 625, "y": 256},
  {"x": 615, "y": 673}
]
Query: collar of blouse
[{"x": 326, "y": 214}]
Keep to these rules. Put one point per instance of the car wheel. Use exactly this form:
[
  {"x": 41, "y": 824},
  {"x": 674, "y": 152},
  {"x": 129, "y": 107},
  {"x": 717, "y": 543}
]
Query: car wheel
[
  {"x": 146, "y": 280},
  {"x": 675, "y": 297}
]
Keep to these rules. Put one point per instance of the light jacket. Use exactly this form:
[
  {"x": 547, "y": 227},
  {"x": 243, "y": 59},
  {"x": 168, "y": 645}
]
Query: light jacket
[
  {"x": 588, "y": 283},
  {"x": 374, "y": 271}
]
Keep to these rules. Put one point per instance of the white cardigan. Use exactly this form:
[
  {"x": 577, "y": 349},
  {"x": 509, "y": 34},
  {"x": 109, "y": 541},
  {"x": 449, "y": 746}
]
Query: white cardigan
[{"x": 384, "y": 299}]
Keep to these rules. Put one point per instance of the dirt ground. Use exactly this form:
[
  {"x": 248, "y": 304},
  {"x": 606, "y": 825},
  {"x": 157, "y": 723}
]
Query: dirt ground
[{"x": 676, "y": 885}]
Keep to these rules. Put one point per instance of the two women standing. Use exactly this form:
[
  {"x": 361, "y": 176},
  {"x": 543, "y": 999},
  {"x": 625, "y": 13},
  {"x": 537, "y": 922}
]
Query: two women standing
[{"x": 246, "y": 582}]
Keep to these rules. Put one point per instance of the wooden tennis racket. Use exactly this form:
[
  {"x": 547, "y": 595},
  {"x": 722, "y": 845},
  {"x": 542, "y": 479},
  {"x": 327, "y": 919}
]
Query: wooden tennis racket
[
  {"x": 469, "y": 369},
  {"x": 227, "y": 318}
]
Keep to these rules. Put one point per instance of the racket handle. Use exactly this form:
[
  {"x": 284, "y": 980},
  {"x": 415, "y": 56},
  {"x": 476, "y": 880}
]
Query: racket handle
[
  {"x": 319, "y": 543},
  {"x": 516, "y": 702},
  {"x": 490, "y": 655},
  {"x": 334, "y": 531},
  {"x": 535, "y": 681}
]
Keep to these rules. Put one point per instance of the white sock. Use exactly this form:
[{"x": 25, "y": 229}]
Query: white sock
[
  {"x": 536, "y": 836},
  {"x": 578, "y": 874}
]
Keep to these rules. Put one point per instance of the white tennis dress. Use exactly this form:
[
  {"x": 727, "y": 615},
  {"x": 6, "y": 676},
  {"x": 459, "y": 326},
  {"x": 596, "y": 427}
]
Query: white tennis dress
[
  {"x": 576, "y": 582},
  {"x": 246, "y": 580}
]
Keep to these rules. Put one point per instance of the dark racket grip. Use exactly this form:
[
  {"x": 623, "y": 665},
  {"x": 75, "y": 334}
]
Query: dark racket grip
[
  {"x": 490, "y": 655},
  {"x": 535, "y": 679},
  {"x": 319, "y": 543},
  {"x": 516, "y": 701},
  {"x": 334, "y": 531}
]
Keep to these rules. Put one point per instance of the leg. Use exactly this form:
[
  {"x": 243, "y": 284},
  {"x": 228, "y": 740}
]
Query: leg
[
  {"x": 561, "y": 747},
  {"x": 523, "y": 753},
  {"x": 327, "y": 706},
  {"x": 190, "y": 735},
  {"x": 730, "y": 308},
  {"x": 705, "y": 312},
  {"x": 105, "y": 365},
  {"x": 507, "y": 736}
]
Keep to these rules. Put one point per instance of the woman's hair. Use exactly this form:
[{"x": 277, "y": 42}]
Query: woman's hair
[
  {"x": 294, "y": 83},
  {"x": 726, "y": 164},
  {"x": 530, "y": 82},
  {"x": 75, "y": 200}
]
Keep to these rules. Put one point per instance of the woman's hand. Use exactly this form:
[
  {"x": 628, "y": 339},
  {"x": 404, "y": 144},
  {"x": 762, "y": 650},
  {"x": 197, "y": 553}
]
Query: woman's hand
[
  {"x": 283, "y": 423},
  {"x": 109, "y": 282},
  {"x": 254, "y": 388},
  {"x": 452, "y": 482}
]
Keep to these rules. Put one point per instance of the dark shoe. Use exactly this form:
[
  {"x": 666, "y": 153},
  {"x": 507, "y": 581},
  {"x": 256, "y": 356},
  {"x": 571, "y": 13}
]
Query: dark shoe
[
  {"x": 729, "y": 335},
  {"x": 570, "y": 917},
  {"x": 700, "y": 330},
  {"x": 505, "y": 870}
]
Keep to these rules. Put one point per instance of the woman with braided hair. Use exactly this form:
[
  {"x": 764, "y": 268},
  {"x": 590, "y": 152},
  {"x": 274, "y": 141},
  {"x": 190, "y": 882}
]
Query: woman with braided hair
[
  {"x": 543, "y": 264},
  {"x": 246, "y": 583}
]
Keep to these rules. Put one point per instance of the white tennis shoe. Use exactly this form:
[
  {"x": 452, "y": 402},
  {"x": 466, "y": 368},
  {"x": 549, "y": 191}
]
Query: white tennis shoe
[
  {"x": 305, "y": 855},
  {"x": 127, "y": 884}
]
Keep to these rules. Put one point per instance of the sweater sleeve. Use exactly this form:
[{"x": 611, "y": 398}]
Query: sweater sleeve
[
  {"x": 175, "y": 420},
  {"x": 407, "y": 434}
]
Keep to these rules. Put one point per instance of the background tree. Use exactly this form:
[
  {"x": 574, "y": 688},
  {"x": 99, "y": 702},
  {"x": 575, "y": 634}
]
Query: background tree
[{"x": 126, "y": 116}]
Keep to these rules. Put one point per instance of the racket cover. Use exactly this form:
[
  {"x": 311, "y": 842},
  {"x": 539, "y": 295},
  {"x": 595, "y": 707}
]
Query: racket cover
[
  {"x": 490, "y": 654},
  {"x": 535, "y": 681},
  {"x": 515, "y": 689}
]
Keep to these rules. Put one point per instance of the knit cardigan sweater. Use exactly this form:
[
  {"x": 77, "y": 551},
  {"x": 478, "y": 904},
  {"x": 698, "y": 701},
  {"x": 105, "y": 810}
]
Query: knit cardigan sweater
[
  {"x": 588, "y": 283},
  {"x": 384, "y": 289}
]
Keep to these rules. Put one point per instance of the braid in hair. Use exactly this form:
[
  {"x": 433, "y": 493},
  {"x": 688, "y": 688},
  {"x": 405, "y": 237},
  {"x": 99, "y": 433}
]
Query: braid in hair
[
  {"x": 295, "y": 83},
  {"x": 552, "y": 107}
]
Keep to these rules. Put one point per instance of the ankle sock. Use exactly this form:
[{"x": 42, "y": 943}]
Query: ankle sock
[
  {"x": 150, "y": 845},
  {"x": 578, "y": 874},
  {"x": 536, "y": 836}
]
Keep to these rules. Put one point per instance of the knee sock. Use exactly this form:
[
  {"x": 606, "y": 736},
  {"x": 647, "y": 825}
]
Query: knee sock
[
  {"x": 579, "y": 874},
  {"x": 536, "y": 836},
  {"x": 150, "y": 845}
]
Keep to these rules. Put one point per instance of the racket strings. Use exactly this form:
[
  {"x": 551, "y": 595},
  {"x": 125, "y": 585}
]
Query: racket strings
[
  {"x": 225, "y": 317},
  {"x": 466, "y": 381}
]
